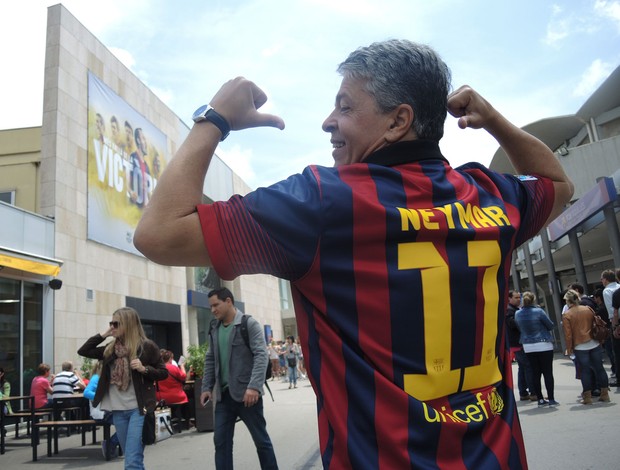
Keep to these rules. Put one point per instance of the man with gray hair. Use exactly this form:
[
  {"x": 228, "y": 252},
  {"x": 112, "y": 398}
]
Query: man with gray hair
[
  {"x": 398, "y": 262},
  {"x": 66, "y": 382}
]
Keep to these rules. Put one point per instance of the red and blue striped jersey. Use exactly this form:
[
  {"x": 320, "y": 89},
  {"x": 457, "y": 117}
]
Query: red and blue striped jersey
[{"x": 399, "y": 269}]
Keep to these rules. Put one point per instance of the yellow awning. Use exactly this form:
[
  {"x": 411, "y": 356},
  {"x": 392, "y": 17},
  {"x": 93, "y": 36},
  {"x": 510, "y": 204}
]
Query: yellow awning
[{"x": 36, "y": 267}]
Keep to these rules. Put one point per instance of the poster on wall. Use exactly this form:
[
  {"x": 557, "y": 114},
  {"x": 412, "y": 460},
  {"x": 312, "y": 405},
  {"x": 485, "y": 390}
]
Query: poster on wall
[{"x": 126, "y": 156}]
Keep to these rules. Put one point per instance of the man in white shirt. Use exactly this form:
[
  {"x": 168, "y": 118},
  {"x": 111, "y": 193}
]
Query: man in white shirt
[
  {"x": 66, "y": 381},
  {"x": 610, "y": 285}
]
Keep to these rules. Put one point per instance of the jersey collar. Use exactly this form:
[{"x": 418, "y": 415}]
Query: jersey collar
[{"x": 408, "y": 151}]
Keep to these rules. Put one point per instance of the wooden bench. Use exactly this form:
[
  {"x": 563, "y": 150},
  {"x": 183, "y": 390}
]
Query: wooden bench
[
  {"x": 78, "y": 408},
  {"x": 52, "y": 427},
  {"x": 25, "y": 411},
  {"x": 27, "y": 417}
]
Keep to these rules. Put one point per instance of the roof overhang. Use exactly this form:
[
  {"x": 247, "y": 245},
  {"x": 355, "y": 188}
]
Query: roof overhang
[
  {"x": 552, "y": 131},
  {"x": 28, "y": 262}
]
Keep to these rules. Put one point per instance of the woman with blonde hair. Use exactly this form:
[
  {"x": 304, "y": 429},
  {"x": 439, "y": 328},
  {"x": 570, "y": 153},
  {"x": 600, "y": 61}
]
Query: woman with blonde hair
[
  {"x": 577, "y": 324},
  {"x": 535, "y": 327},
  {"x": 131, "y": 365}
]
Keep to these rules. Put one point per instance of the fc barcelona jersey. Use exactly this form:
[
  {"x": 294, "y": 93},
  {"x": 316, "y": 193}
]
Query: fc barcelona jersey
[{"x": 399, "y": 269}]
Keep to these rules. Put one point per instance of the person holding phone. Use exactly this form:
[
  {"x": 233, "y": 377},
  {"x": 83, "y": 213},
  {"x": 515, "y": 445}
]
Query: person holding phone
[{"x": 131, "y": 365}]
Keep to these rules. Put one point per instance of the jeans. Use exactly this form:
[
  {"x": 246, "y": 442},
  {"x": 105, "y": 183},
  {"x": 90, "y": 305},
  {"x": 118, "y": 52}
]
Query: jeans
[
  {"x": 542, "y": 364},
  {"x": 525, "y": 379},
  {"x": 615, "y": 343},
  {"x": 610, "y": 352},
  {"x": 226, "y": 412},
  {"x": 128, "y": 424},
  {"x": 107, "y": 418},
  {"x": 292, "y": 375},
  {"x": 592, "y": 358}
]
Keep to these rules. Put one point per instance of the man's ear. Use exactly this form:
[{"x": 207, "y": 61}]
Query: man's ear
[{"x": 400, "y": 128}]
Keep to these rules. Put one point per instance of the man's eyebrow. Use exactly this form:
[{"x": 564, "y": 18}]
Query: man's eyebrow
[{"x": 339, "y": 97}]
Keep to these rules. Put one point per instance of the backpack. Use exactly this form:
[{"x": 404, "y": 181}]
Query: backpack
[{"x": 246, "y": 337}]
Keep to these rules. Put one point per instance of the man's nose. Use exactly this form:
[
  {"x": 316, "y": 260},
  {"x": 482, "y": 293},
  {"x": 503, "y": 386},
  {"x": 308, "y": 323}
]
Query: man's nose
[{"x": 329, "y": 125}]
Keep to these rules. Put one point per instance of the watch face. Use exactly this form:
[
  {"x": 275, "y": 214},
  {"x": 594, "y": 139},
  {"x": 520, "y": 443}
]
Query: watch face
[{"x": 199, "y": 113}]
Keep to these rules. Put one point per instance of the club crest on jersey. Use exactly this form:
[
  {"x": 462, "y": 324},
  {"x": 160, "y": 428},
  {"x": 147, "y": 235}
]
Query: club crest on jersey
[{"x": 526, "y": 178}]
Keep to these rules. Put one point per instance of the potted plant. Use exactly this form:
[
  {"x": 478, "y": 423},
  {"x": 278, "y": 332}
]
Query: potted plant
[
  {"x": 195, "y": 359},
  {"x": 194, "y": 363}
]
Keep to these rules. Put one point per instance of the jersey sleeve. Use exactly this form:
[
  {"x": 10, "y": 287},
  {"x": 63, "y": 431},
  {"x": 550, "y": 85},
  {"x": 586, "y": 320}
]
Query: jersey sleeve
[
  {"x": 531, "y": 195},
  {"x": 272, "y": 230},
  {"x": 537, "y": 195}
]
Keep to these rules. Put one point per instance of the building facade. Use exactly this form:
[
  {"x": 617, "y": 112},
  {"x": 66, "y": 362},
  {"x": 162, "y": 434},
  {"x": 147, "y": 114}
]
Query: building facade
[
  {"x": 71, "y": 194},
  {"x": 584, "y": 240}
]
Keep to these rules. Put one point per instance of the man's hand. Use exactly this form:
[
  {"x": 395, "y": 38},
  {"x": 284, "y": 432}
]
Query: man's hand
[
  {"x": 204, "y": 398},
  {"x": 528, "y": 155},
  {"x": 251, "y": 397},
  {"x": 471, "y": 108},
  {"x": 238, "y": 102}
]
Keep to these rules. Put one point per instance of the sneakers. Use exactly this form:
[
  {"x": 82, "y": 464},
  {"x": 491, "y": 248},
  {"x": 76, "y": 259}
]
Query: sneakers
[
  {"x": 108, "y": 452},
  {"x": 524, "y": 398},
  {"x": 553, "y": 403},
  {"x": 542, "y": 403}
]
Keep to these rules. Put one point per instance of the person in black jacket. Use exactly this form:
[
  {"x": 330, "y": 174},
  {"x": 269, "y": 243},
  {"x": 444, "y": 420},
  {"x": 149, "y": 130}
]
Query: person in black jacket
[
  {"x": 524, "y": 378},
  {"x": 131, "y": 365}
]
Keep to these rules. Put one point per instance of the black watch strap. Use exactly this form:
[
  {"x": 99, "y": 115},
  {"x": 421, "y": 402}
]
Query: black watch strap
[{"x": 211, "y": 115}]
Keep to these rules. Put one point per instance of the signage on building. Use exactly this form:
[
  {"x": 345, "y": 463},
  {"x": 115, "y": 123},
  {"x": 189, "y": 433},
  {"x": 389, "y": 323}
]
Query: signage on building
[
  {"x": 588, "y": 205},
  {"x": 126, "y": 155}
]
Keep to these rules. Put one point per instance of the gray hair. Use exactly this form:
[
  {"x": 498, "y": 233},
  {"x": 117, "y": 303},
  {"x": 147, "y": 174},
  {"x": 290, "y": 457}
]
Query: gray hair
[{"x": 403, "y": 72}]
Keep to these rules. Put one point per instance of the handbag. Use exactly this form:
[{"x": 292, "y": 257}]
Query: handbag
[
  {"x": 156, "y": 425},
  {"x": 163, "y": 425},
  {"x": 291, "y": 359},
  {"x": 148, "y": 429},
  {"x": 599, "y": 330}
]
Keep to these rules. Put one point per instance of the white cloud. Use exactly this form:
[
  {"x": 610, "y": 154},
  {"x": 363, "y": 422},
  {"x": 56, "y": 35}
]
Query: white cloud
[
  {"x": 610, "y": 10},
  {"x": 573, "y": 22},
  {"x": 556, "y": 31},
  {"x": 593, "y": 77}
]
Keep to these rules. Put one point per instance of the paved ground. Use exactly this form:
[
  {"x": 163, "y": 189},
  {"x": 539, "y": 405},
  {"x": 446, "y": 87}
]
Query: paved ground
[{"x": 569, "y": 437}]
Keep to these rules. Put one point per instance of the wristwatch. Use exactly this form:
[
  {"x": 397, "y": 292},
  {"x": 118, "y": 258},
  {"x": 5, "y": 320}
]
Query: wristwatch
[{"x": 207, "y": 113}]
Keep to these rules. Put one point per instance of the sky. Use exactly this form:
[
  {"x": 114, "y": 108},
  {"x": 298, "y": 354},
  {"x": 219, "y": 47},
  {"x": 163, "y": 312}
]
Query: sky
[{"x": 531, "y": 59}]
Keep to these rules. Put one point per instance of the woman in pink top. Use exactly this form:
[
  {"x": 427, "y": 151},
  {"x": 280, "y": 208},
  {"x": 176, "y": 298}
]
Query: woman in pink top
[{"x": 41, "y": 387}]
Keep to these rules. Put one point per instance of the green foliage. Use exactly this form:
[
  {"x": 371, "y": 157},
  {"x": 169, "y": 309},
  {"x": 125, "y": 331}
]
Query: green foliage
[
  {"x": 88, "y": 365},
  {"x": 196, "y": 358}
]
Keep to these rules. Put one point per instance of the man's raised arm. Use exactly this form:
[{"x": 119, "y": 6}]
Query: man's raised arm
[
  {"x": 169, "y": 231},
  {"x": 527, "y": 153}
]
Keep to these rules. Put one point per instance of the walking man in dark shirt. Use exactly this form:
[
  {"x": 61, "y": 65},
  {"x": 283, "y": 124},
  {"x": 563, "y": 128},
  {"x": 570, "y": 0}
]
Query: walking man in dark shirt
[{"x": 234, "y": 377}]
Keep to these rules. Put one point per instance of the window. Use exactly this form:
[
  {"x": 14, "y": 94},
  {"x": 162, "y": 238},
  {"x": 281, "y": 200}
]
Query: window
[
  {"x": 8, "y": 197},
  {"x": 285, "y": 296}
]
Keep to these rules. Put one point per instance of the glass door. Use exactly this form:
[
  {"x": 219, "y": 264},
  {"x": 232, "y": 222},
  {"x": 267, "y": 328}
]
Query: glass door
[{"x": 21, "y": 336}]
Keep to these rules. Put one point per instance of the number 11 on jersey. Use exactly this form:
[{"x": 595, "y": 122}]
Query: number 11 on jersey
[{"x": 440, "y": 379}]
